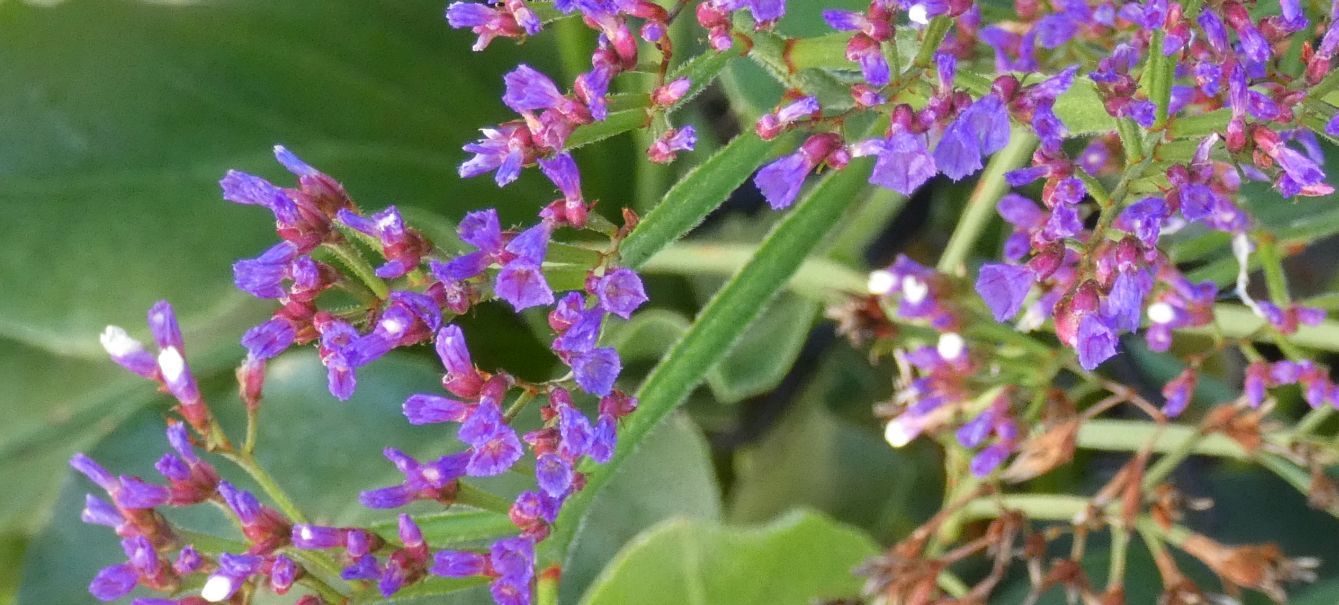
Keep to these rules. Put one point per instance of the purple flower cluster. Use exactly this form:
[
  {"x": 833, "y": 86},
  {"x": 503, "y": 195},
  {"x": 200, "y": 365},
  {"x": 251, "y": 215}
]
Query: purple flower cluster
[
  {"x": 547, "y": 115},
  {"x": 1096, "y": 285},
  {"x": 422, "y": 292}
]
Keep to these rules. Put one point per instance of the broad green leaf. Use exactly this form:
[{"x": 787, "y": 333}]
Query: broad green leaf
[
  {"x": 766, "y": 352},
  {"x": 123, "y": 116},
  {"x": 670, "y": 476},
  {"x": 812, "y": 458},
  {"x": 59, "y": 405},
  {"x": 800, "y": 558},
  {"x": 11, "y": 559},
  {"x": 720, "y": 323}
]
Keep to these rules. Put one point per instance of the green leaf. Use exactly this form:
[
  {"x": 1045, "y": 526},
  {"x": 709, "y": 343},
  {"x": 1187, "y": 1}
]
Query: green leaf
[
  {"x": 1080, "y": 109},
  {"x": 765, "y": 353},
  {"x": 647, "y": 335},
  {"x": 62, "y": 405},
  {"x": 719, "y": 325},
  {"x": 799, "y": 559},
  {"x": 122, "y": 116},
  {"x": 698, "y": 193},
  {"x": 815, "y": 459},
  {"x": 11, "y": 556},
  {"x": 670, "y": 476}
]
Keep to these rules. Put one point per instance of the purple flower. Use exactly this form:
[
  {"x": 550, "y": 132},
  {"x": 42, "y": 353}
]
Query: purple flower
[
  {"x": 1124, "y": 304},
  {"x": 315, "y": 537},
  {"x": 957, "y": 154},
  {"x": 402, "y": 247},
  {"x": 868, "y": 53},
  {"x": 283, "y": 573},
  {"x": 431, "y": 409},
  {"x": 596, "y": 370},
  {"x": 188, "y": 561},
  {"x": 987, "y": 460},
  {"x": 1178, "y": 393},
  {"x": 503, "y": 149},
  {"x": 563, "y": 171},
  {"x": 574, "y": 432},
  {"x": 233, "y": 571},
  {"x": 1003, "y": 288},
  {"x": 530, "y": 90},
  {"x": 620, "y": 292},
  {"x": 242, "y": 188},
  {"x": 975, "y": 431},
  {"x": 670, "y": 143},
  {"x": 128, "y": 352},
  {"x": 1144, "y": 219},
  {"x": 457, "y": 563},
  {"x": 532, "y": 244},
  {"x": 269, "y": 339},
  {"x": 1095, "y": 341},
  {"x": 422, "y": 481},
  {"x": 553, "y": 474},
  {"x": 114, "y": 582},
  {"x": 263, "y": 276},
  {"x": 339, "y": 357},
  {"x": 603, "y": 440},
  {"x": 513, "y": 558},
  {"x": 522, "y": 284},
  {"x": 781, "y": 180},
  {"x": 582, "y": 334},
  {"x": 904, "y": 163},
  {"x": 365, "y": 567},
  {"x": 494, "y": 446},
  {"x": 99, "y": 512}
]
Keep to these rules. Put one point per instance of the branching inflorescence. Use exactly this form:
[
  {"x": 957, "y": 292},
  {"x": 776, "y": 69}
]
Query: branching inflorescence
[{"x": 1116, "y": 124}]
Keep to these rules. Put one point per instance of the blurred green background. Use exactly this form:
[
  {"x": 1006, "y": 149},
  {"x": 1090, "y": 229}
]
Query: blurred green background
[{"x": 117, "y": 118}]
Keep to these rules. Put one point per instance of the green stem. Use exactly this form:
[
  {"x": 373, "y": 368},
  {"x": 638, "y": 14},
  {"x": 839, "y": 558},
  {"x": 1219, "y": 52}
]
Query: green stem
[
  {"x": 1160, "y": 79},
  {"x": 1237, "y": 321},
  {"x": 355, "y": 263},
  {"x": 720, "y": 323},
  {"x": 1120, "y": 547},
  {"x": 1043, "y": 507},
  {"x": 981, "y": 205},
  {"x": 472, "y": 496},
  {"x": 699, "y": 192},
  {"x": 1173, "y": 458},
  {"x": 934, "y": 35},
  {"x": 1266, "y": 248},
  {"x": 1312, "y": 421},
  {"x": 1129, "y": 140},
  {"x": 268, "y": 485},
  {"x": 249, "y": 442}
]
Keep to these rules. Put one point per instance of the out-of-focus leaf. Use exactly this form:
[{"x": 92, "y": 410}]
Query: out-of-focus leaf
[
  {"x": 813, "y": 459},
  {"x": 800, "y": 558},
  {"x": 670, "y": 476},
  {"x": 763, "y": 357},
  {"x": 56, "y": 406},
  {"x": 11, "y": 559},
  {"x": 647, "y": 335},
  {"x": 122, "y": 116}
]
